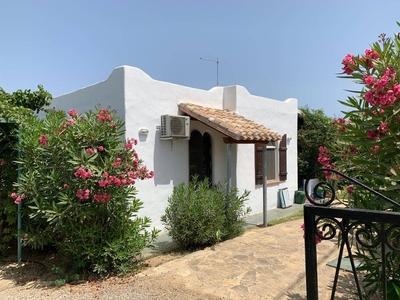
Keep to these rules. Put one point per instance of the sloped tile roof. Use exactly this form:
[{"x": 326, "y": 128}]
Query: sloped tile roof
[{"x": 230, "y": 124}]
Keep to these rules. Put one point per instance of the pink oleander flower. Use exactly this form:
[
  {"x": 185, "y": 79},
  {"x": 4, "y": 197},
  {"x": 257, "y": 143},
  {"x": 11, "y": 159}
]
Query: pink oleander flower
[
  {"x": 81, "y": 172},
  {"x": 350, "y": 189},
  {"x": 73, "y": 112},
  {"x": 43, "y": 140},
  {"x": 382, "y": 83},
  {"x": 117, "y": 162},
  {"x": 373, "y": 134},
  {"x": 100, "y": 148},
  {"x": 128, "y": 145},
  {"x": 79, "y": 194},
  {"x": 396, "y": 90},
  {"x": 104, "y": 183},
  {"x": 371, "y": 54},
  {"x": 90, "y": 151},
  {"x": 14, "y": 195},
  {"x": 66, "y": 185},
  {"x": 102, "y": 198},
  {"x": 2, "y": 162},
  {"x": 83, "y": 195},
  {"x": 383, "y": 128},
  {"x": 104, "y": 115},
  {"x": 369, "y": 80},
  {"x": 375, "y": 148},
  {"x": 86, "y": 194},
  {"x": 318, "y": 239},
  {"x": 71, "y": 122},
  {"x": 349, "y": 63}
]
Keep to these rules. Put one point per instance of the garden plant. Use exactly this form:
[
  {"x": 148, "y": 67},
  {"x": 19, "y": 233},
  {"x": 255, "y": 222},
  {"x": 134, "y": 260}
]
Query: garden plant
[
  {"x": 368, "y": 148},
  {"x": 14, "y": 107},
  {"x": 77, "y": 190},
  {"x": 198, "y": 216}
]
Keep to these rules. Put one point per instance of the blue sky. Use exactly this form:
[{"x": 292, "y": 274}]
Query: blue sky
[{"x": 276, "y": 49}]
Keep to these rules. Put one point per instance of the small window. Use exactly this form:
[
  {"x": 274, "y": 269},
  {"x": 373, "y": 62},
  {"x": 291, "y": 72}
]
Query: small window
[{"x": 276, "y": 161}]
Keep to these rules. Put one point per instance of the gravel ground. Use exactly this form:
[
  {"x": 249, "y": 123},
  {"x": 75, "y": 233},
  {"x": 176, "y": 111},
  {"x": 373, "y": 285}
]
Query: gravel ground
[
  {"x": 115, "y": 288},
  {"x": 36, "y": 281}
]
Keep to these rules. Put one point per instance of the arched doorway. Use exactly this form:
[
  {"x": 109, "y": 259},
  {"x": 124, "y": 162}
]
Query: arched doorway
[{"x": 200, "y": 156}]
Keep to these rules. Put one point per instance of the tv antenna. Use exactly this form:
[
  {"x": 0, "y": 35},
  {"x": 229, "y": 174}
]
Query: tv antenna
[{"x": 212, "y": 60}]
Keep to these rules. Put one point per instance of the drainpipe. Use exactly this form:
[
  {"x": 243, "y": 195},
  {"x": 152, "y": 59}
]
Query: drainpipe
[{"x": 265, "y": 186}]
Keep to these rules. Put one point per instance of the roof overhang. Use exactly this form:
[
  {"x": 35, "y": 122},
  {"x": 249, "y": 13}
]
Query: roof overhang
[{"x": 236, "y": 128}]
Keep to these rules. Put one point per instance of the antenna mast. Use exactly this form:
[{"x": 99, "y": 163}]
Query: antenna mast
[{"x": 212, "y": 60}]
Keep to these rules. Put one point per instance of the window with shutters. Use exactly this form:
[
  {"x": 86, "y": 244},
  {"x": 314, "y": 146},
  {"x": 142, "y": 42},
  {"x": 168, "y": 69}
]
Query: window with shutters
[{"x": 276, "y": 161}]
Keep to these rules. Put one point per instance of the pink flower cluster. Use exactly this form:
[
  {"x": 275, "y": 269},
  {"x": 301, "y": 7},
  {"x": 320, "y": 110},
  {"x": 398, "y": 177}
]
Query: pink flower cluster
[
  {"x": 350, "y": 189},
  {"x": 73, "y": 112},
  {"x": 340, "y": 124},
  {"x": 324, "y": 159},
  {"x": 378, "y": 133},
  {"x": 102, "y": 198},
  {"x": 384, "y": 90},
  {"x": 129, "y": 144},
  {"x": 317, "y": 236},
  {"x": 43, "y": 139},
  {"x": 2, "y": 162},
  {"x": 17, "y": 198},
  {"x": 90, "y": 151},
  {"x": 104, "y": 115},
  {"x": 71, "y": 122},
  {"x": 124, "y": 179},
  {"x": 83, "y": 195},
  {"x": 117, "y": 162},
  {"x": 348, "y": 64},
  {"x": 370, "y": 55},
  {"x": 81, "y": 172},
  {"x": 143, "y": 173}
]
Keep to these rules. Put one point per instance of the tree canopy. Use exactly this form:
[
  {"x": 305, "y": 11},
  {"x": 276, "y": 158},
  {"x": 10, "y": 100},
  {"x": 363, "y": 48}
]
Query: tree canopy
[{"x": 315, "y": 129}]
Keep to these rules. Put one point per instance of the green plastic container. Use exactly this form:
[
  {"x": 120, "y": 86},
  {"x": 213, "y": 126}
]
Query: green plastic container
[{"x": 299, "y": 197}]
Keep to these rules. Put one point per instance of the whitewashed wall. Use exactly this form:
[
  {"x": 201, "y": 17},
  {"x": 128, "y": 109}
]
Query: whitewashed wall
[{"x": 140, "y": 101}]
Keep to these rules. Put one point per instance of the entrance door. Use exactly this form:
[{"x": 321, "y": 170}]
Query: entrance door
[{"x": 200, "y": 156}]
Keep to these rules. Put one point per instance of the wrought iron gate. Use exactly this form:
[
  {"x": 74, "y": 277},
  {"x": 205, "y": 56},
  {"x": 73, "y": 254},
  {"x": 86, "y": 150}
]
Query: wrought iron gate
[{"x": 378, "y": 230}]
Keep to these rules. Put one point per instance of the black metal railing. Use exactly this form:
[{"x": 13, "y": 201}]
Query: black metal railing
[{"x": 368, "y": 229}]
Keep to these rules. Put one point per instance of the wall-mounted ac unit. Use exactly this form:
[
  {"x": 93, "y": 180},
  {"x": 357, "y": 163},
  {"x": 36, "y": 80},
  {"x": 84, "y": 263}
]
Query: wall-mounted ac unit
[{"x": 175, "y": 127}]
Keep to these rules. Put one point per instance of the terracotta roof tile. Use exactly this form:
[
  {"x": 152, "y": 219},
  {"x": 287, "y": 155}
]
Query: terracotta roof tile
[{"x": 229, "y": 123}]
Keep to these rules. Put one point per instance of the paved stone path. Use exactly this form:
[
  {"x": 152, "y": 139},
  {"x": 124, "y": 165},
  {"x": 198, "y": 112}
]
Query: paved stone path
[{"x": 264, "y": 263}]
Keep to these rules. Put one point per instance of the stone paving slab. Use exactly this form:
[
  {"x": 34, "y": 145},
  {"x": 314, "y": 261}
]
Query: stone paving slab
[{"x": 264, "y": 263}]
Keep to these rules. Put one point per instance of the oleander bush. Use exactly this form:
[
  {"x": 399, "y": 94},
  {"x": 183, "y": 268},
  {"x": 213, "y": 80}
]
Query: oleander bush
[
  {"x": 77, "y": 190},
  {"x": 198, "y": 216},
  {"x": 367, "y": 148}
]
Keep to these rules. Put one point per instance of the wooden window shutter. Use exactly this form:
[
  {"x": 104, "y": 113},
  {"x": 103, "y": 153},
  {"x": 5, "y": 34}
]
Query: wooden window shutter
[
  {"x": 258, "y": 162},
  {"x": 283, "y": 158}
]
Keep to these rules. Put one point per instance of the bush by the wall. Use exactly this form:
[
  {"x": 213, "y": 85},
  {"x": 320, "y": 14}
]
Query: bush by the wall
[
  {"x": 199, "y": 216},
  {"x": 77, "y": 190}
]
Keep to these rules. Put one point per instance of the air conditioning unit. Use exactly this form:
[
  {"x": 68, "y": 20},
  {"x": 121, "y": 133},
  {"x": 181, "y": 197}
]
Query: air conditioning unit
[{"x": 175, "y": 127}]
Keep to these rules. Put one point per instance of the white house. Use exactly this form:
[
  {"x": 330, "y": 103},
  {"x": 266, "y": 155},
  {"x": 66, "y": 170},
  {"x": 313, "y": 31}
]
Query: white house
[{"x": 221, "y": 138}]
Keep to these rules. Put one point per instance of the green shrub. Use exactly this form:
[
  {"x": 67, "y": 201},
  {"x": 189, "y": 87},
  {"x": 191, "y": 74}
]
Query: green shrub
[
  {"x": 8, "y": 175},
  {"x": 199, "y": 216},
  {"x": 77, "y": 190}
]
